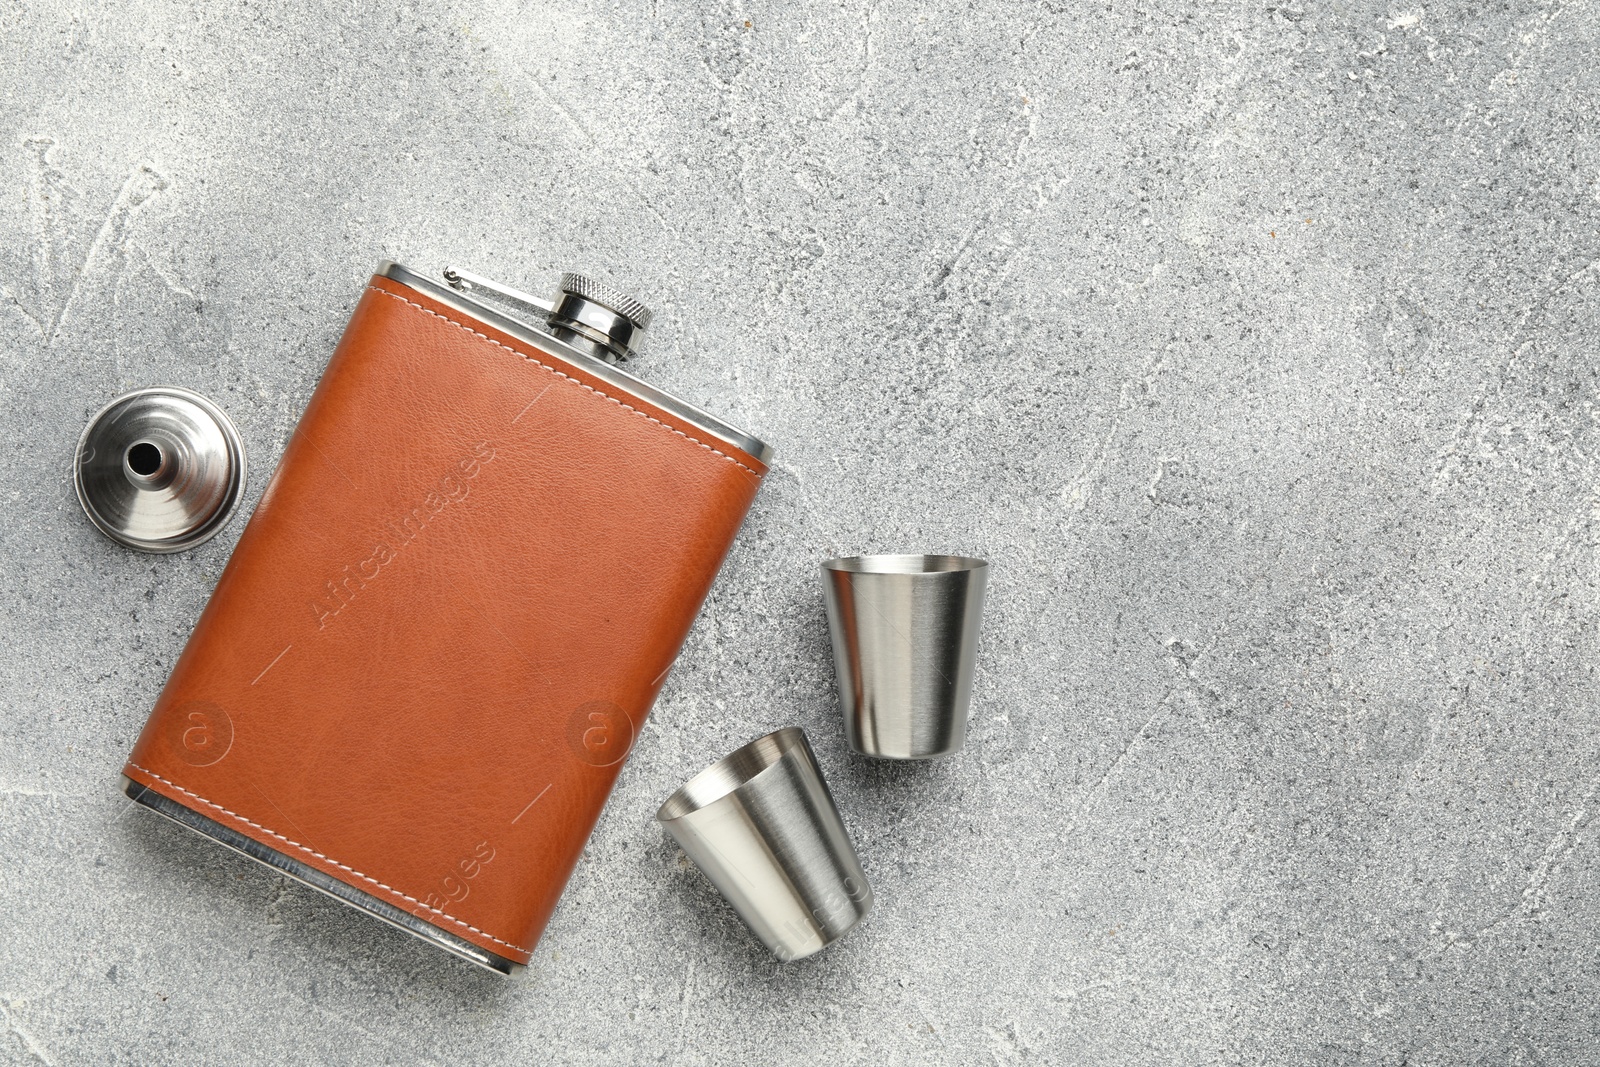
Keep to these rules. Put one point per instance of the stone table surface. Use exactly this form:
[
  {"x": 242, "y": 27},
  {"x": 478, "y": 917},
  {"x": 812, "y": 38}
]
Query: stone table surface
[{"x": 1252, "y": 344}]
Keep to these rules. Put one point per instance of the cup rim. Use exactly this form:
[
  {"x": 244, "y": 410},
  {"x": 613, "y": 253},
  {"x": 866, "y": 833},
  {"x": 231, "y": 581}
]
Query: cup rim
[
  {"x": 731, "y": 773},
  {"x": 904, "y": 564}
]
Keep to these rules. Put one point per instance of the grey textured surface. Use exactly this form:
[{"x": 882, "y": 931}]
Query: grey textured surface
[{"x": 1253, "y": 345}]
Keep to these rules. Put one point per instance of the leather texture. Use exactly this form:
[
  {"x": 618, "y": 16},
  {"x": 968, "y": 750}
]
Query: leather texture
[{"x": 446, "y": 621}]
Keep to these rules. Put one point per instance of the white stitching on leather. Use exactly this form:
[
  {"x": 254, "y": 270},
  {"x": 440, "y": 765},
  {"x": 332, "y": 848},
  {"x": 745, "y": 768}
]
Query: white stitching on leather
[
  {"x": 328, "y": 859},
  {"x": 568, "y": 377}
]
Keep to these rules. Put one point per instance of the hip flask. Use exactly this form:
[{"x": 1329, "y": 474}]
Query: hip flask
[{"x": 443, "y": 627}]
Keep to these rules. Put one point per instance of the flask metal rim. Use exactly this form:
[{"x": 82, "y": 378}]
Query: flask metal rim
[{"x": 528, "y": 333}]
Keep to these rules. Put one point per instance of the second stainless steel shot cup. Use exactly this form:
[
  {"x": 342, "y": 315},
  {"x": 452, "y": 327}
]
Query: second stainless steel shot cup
[
  {"x": 763, "y": 827},
  {"x": 905, "y": 638}
]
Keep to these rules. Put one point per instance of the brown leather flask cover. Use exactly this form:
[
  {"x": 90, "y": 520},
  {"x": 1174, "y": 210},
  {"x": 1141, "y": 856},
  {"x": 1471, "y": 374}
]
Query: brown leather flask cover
[{"x": 443, "y": 627}]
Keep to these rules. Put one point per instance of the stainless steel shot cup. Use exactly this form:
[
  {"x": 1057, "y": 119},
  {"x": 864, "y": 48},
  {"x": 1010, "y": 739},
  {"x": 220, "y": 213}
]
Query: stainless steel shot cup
[
  {"x": 905, "y": 636},
  {"x": 763, "y": 827}
]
